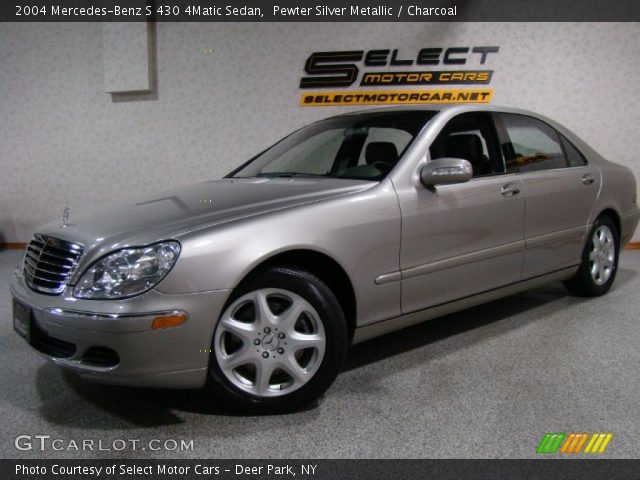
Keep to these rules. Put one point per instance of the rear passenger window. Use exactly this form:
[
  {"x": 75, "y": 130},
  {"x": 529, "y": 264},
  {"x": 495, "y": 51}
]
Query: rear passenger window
[
  {"x": 574, "y": 157},
  {"x": 533, "y": 145}
]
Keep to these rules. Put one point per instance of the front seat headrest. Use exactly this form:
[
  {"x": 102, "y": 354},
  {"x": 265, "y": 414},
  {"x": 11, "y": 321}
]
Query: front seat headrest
[
  {"x": 385, "y": 152},
  {"x": 466, "y": 146}
]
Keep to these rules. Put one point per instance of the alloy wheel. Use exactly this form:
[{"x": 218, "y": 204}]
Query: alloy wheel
[
  {"x": 269, "y": 342},
  {"x": 602, "y": 255}
]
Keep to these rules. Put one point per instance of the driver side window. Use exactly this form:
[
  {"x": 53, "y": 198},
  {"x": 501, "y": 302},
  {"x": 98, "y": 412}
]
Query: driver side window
[{"x": 472, "y": 137}]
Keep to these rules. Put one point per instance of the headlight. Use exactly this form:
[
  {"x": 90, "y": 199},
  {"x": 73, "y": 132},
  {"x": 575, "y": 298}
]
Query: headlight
[{"x": 127, "y": 272}]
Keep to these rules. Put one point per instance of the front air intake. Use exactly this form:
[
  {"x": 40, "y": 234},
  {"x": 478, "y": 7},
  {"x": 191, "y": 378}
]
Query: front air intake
[
  {"x": 101, "y": 357},
  {"x": 49, "y": 263}
]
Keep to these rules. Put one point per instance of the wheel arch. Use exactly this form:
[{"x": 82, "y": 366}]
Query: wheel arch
[
  {"x": 615, "y": 218},
  {"x": 324, "y": 267}
]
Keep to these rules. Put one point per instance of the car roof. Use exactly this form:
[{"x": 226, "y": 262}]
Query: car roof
[
  {"x": 451, "y": 109},
  {"x": 441, "y": 107}
]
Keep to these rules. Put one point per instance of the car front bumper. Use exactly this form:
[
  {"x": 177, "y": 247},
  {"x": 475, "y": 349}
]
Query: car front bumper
[{"x": 113, "y": 342}]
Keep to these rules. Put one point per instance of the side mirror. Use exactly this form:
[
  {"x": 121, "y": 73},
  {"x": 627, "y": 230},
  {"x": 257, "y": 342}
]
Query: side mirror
[{"x": 444, "y": 171}]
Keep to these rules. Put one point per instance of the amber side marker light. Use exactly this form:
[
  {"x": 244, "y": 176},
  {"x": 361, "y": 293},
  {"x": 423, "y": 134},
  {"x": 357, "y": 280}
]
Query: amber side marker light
[{"x": 168, "y": 321}]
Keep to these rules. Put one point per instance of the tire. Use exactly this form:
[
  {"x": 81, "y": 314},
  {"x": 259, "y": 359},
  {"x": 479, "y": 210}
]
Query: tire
[
  {"x": 279, "y": 343},
  {"x": 599, "y": 260}
]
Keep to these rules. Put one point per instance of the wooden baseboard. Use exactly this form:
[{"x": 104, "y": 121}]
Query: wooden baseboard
[
  {"x": 13, "y": 246},
  {"x": 633, "y": 246}
]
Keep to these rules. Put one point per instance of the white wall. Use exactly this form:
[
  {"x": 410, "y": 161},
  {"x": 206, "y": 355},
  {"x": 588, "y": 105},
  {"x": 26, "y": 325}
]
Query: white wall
[{"x": 64, "y": 141}]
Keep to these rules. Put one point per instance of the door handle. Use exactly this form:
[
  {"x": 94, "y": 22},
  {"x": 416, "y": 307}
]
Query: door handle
[
  {"x": 588, "y": 179},
  {"x": 510, "y": 189}
]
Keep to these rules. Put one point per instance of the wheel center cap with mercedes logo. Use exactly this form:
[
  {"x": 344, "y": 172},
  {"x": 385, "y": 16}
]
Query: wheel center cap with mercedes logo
[{"x": 270, "y": 342}]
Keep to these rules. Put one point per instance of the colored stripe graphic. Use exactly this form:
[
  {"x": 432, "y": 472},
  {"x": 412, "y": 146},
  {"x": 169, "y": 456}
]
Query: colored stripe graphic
[
  {"x": 568, "y": 443},
  {"x": 581, "y": 443},
  {"x": 598, "y": 443},
  {"x": 572, "y": 443},
  {"x": 551, "y": 442},
  {"x": 543, "y": 443}
]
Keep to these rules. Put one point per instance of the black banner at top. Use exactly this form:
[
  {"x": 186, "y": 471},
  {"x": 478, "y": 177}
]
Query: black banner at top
[{"x": 319, "y": 10}]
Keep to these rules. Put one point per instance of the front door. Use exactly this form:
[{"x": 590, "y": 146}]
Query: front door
[{"x": 462, "y": 239}]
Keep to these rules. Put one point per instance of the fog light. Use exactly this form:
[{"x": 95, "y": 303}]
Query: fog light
[{"x": 168, "y": 321}]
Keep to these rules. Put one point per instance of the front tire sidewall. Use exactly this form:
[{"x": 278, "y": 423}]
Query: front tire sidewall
[{"x": 312, "y": 289}]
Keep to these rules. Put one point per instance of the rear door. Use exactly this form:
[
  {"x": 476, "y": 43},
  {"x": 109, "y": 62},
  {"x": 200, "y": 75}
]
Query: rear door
[{"x": 560, "y": 189}]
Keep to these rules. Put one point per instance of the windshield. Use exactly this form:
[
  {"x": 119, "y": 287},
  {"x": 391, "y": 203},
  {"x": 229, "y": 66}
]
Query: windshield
[{"x": 361, "y": 146}]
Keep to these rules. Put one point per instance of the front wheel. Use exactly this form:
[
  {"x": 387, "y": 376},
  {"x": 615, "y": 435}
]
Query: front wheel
[
  {"x": 279, "y": 343},
  {"x": 599, "y": 260}
]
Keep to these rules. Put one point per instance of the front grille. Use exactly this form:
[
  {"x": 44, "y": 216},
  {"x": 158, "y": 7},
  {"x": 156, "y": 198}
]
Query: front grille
[{"x": 49, "y": 263}]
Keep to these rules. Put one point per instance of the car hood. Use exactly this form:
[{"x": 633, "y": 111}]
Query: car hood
[{"x": 173, "y": 213}]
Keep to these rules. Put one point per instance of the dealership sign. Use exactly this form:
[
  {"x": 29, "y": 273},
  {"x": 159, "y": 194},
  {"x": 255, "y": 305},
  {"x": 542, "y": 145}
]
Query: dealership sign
[{"x": 407, "y": 72}]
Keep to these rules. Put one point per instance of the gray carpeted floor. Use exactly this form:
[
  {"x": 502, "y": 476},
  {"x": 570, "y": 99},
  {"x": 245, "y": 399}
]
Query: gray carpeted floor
[{"x": 486, "y": 382}]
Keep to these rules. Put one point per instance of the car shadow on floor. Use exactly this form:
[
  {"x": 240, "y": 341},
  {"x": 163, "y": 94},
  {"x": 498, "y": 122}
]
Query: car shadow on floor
[
  {"x": 138, "y": 407},
  {"x": 502, "y": 311}
]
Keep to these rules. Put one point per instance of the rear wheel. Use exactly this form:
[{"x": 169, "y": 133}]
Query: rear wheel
[
  {"x": 279, "y": 343},
  {"x": 599, "y": 260}
]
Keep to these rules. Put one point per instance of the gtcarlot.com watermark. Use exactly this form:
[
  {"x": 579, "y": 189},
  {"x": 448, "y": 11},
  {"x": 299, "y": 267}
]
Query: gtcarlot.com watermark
[{"x": 47, "y": 442}]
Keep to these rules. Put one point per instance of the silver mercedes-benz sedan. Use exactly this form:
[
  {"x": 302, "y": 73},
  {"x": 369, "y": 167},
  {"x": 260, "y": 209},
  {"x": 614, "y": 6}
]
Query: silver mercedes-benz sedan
[{"x": 253, "y": 286}]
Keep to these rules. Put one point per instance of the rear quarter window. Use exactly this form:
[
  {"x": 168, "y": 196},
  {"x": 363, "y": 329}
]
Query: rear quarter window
[
  {"x": 533, "y": 145},
  {"x": 574, "y": 157}
]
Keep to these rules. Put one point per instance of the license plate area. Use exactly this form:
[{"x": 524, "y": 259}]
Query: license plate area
[{"x": 22, "y": 319}]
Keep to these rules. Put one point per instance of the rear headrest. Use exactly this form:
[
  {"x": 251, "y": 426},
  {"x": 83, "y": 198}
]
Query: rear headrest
[
  {"x": 467, "y": 147},
  {"x": 381, "y": 152}
]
